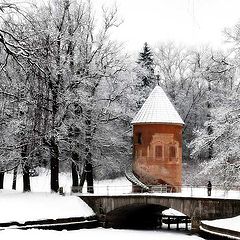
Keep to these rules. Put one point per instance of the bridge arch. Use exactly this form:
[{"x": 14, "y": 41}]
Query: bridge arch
[
  {"x": 195, "y": 208},
  {"x": 134, "y": 216},
  {"x": 120, "y": 202}
]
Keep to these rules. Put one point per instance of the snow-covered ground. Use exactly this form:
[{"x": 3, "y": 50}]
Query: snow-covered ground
[
  {"x": 118, "y": 186},
  {"x": 22, "y": 207},
  {"x": 39, "y": 183},
  {"x": 93, "y": 234},
  {"x": 40, "y": 203},
  {"x": 227, "y": 223}
]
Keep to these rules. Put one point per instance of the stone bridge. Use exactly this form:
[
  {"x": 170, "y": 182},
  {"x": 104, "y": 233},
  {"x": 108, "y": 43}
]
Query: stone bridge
[{"x": 130, "y": 210}]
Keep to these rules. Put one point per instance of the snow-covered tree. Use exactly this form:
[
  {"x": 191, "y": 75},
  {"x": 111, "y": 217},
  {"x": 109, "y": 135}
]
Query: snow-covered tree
[
  {"x": 74, "y": 86},
  {"x": 224, "y": 165},
  {"x": 99, "y": 86},
  {"x": 146, "y": 67}
]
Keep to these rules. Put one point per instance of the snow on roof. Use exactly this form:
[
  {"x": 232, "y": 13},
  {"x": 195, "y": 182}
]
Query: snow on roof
[{"x": 157, "y": 109}]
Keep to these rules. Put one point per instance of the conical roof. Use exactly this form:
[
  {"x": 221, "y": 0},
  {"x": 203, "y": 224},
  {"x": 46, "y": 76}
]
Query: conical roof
[{"x": 157, "y": 109}]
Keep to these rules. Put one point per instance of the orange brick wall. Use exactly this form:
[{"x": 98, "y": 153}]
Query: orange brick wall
[{"x": 163, "y": 141}]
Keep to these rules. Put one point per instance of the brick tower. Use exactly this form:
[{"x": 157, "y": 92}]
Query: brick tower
[{"x": 157, "y": 136}]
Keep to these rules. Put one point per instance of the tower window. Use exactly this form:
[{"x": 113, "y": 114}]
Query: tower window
[
  {"x": 139, "y": 138},
  {"x": 172, "y": 152},
  {"x": 158, "y": 151}
]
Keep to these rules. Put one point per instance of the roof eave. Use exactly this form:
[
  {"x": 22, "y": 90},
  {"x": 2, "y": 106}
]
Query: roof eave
[{"x": 165, "y": 123}]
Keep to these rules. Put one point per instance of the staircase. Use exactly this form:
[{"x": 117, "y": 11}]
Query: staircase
[{"x": 133, "y": 179}]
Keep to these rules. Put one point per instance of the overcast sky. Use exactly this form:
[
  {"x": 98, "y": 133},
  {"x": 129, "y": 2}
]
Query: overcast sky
[{"x": 188, "y": 22}]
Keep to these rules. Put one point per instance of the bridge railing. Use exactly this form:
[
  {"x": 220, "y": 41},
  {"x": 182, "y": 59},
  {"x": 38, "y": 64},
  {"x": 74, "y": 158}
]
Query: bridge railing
[{"x": 184, "y": 190}]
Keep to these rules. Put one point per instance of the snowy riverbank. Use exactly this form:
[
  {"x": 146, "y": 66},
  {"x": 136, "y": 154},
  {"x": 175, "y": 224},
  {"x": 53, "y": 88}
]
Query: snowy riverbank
[
  {"x": 227, "y": 223},
  {"x": 22, "y": 207}
]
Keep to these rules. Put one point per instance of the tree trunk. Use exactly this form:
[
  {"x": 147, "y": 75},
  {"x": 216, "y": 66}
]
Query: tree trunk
[
  {"x": 87, "y": 173},
  {"x": 25, "y": 168},
  {"x": 210, "y": 146},
  {"x": 26, "y": 179},
  {"x": 89, "y": 177},
  {"x": 88, "y": 154},
  {"x": 1, "y": 179},
  {"x": 54, "y": 162},
  {"x": 209, "y": 127},
  {"x": 55, "y": 86},
  {"x": 75, "y": 159},
  {"x": 82, "y": 178},
  {"x": 14, "y": 184}
]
